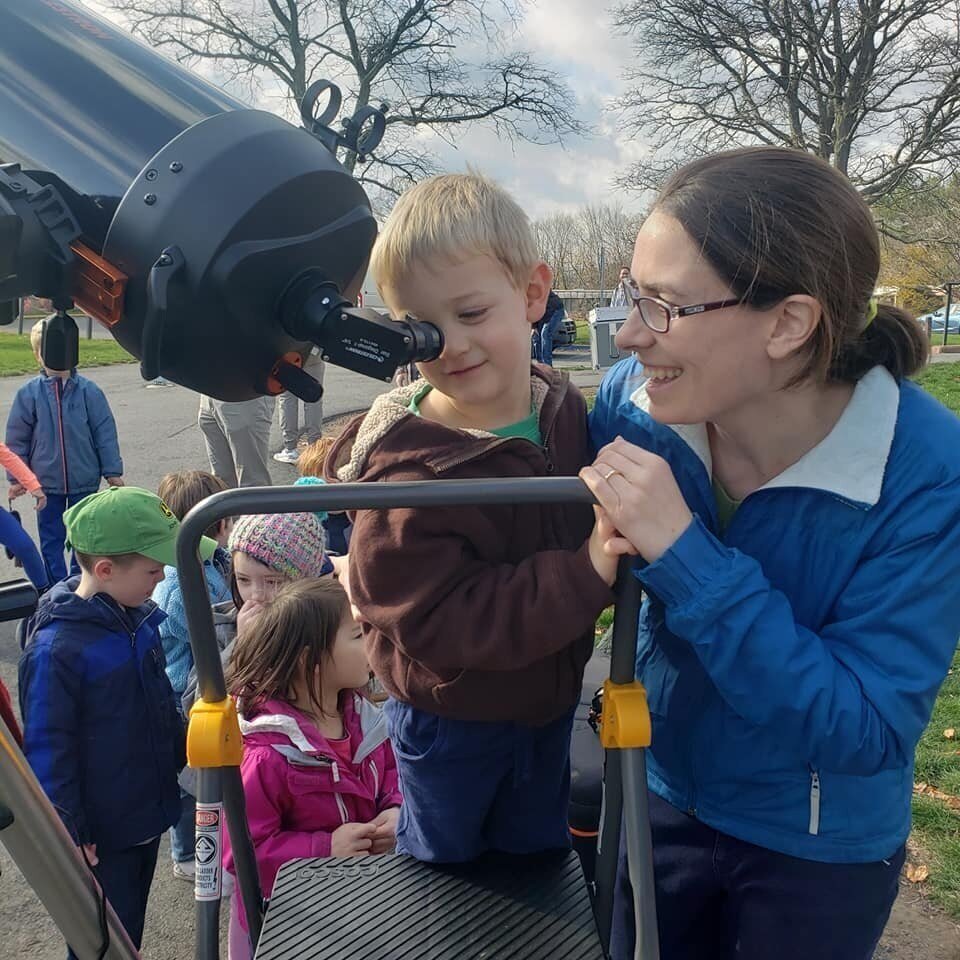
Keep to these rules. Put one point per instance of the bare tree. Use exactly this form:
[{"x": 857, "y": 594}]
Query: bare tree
[
  {"x": 871, "y": 86},
  {"x": 410, "y": 54},
  {"x": 571, "y": 244}
]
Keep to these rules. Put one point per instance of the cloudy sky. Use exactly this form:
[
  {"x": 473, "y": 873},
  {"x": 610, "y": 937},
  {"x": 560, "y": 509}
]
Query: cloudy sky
[{"x": 581, "y": 45}]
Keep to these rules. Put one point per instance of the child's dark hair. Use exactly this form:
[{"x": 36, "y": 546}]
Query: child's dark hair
[
  {"x": 774, "y": 222},
  {"x": 182, "y": 491},
  {"x": 290, "y": 638}
]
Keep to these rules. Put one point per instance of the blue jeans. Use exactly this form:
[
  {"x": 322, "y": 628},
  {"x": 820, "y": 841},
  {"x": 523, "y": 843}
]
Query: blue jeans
[
  {"x": 182, "y": 833},
  {"x": 13, "y": 536},
  {"x": 543, "y": 342},
  {"x": 125, "y": 876},
  {"x": 53, "y": 534},
  {"x": 469, "y": 786},
  {"x": 720, "y": 897}
]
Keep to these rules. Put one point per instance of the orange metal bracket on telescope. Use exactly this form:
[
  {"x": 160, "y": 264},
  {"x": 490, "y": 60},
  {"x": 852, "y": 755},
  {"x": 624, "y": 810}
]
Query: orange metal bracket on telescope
[{"x": 98, "y": 286}]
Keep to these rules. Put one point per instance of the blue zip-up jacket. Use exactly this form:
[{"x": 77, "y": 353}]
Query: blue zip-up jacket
[
  {"x": 792, "y": 663},
  {"x": 65, "y": 432},
  {"x": 101, "y": 730},
  {"x": 173, "y": 631}
]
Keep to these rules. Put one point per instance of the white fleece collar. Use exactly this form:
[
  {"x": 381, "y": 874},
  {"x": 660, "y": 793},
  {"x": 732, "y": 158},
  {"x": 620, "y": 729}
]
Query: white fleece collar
[{"x": 849, "y": 462}]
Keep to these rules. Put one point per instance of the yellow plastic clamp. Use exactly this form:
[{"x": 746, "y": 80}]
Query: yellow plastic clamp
[
  {"x": 625, "y": 721},
  {"x": 213, "y": 736}
]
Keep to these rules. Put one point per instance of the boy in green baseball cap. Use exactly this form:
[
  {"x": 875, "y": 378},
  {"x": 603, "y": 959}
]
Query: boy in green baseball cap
[
  {"x": 123, "y": 538},
  {"x": 101, "y": 728}
]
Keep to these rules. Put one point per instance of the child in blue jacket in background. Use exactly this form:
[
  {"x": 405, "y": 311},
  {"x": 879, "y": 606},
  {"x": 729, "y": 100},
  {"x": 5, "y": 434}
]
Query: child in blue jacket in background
[
  {"x": 62, "y": 427},
  {"x": 181, "y": 492},
  {"x": 101, "y": 730}
]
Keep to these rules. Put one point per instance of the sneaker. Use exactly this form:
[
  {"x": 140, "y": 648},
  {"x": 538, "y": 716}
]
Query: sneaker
[
  {"x": 286, "y": 456},
  {"x": 159, "y": 382},
  {"x": 185, "y": 870}
]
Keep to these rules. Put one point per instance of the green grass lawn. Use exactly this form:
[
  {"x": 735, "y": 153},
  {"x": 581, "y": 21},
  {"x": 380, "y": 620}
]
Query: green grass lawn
[
  {"x": 936, "y": 811},
  {"x": 16, "y": 354}
]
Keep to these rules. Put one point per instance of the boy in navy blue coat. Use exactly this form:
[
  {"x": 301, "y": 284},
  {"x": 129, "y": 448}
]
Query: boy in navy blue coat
[
  {"x": 61, "y": 426},
  {"x": 101, "y": 730}
]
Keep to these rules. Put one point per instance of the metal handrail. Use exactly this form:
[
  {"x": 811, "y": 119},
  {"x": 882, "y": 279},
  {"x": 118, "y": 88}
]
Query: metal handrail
[{"x": 223, "y": 785}]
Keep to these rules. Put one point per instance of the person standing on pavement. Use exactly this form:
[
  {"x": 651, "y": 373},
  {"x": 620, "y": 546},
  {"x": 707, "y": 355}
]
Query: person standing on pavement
[
  {"x": 620, "y": 296},
  {"x": 61, "y": 426},
  {"x": 291, "y": 426},
  {"x": 546, "y": 329},
  {"x": 237, "y": 438}
]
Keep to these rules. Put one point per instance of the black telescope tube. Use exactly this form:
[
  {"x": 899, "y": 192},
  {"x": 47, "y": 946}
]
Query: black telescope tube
[{"x": 87, "y": 105}]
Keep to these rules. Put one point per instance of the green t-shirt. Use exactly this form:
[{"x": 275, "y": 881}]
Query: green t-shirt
[
  {"x": 726, "y": 505},
  {"x": 526, "y": 429}
]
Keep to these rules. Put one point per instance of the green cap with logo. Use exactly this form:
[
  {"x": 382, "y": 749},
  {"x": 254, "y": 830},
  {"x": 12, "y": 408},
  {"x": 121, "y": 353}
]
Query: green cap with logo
[{"x": 127, "y": 520}]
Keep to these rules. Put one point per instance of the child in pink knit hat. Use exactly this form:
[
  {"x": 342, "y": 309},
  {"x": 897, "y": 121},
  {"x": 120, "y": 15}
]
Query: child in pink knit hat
[
  {"x": 266, "y": 551},
  {"x": 269, "y": 550}
]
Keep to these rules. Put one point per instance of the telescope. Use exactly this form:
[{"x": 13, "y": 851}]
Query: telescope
[{"x": 217, "y": 243}]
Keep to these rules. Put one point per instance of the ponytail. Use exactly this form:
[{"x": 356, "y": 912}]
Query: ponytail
[{"x": 893, "y": 339}]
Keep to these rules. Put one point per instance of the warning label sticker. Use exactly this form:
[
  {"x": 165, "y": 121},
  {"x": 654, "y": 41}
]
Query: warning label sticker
[{"x": 207, "y": 849}]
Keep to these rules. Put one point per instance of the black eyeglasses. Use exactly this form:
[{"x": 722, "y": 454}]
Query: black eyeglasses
[{"x": 657, "y": 313}]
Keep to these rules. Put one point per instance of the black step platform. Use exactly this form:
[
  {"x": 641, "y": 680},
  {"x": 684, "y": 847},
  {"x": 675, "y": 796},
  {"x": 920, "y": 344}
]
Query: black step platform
[{"x": 396, "y": 908}]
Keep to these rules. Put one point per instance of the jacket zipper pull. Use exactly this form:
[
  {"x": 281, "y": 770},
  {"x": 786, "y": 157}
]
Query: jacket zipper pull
[
  {"x": 335, "y": 771},
  {"x": 814, "y": 826}
]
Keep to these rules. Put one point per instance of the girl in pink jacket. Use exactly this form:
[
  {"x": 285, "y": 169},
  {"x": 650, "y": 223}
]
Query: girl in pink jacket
[
  {"x": 12, "y": 535},
  {"x": 318, "y": 772}
]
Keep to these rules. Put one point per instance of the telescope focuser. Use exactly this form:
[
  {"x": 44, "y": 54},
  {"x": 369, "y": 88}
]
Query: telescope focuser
[{"x": 357, "y": 338}]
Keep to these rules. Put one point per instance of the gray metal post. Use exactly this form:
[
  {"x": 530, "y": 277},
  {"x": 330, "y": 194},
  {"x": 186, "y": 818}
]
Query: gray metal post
[
  {"x": 636, "y": 823},
  {"x": 20, "y": 315},
  {"x": 51, "y": 862},
  {"x": 358, "y": 496},
  {"x": 946, "y": 318},
  {"x": 623, "y": 656}
]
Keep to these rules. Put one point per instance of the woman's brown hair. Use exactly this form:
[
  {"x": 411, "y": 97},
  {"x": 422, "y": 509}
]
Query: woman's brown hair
[
  {"x": 289, "y": 638},
  {"x": 774, "y": 222}
]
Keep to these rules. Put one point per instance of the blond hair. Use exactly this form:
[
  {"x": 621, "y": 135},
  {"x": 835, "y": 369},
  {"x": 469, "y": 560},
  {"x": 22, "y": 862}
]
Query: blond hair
[
  {"x": 314, "y": 457},
  {"x": 451, "y": 216},
  {"x": 36, "y": 336}
]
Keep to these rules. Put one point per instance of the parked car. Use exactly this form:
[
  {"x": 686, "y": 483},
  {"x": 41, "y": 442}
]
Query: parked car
[
  {"x": 567, "y": 333},
  {"x": 936, "y": 320}
]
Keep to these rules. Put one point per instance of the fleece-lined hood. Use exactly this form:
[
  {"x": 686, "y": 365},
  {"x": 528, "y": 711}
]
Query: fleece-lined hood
[{"x": 373, "y": 441}]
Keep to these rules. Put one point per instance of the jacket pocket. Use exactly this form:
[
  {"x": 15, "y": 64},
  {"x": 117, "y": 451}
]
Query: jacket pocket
[{"x": 813, "y": 826}]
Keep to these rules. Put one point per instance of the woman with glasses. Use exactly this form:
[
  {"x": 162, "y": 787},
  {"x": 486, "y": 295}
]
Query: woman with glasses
[{"x": 793, "y": 502}]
